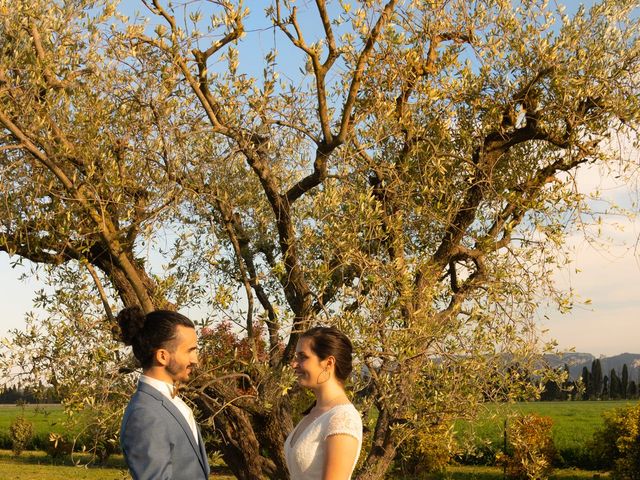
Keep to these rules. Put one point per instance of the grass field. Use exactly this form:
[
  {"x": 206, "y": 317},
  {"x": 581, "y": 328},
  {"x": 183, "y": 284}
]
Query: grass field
[
  {"x": 31, "y": 465},
  {"x": 573, "y": 424},
  {"x": 45, "y": 418},
  {"x": 494, "y": 473}
]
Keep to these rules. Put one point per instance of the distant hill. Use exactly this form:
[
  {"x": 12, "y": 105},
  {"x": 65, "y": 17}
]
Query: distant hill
[{"x": 576, "y": 361}]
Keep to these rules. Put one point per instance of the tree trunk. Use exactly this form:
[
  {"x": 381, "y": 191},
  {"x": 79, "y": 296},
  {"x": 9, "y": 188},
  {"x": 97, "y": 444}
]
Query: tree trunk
[
  {"x": 377, "y": 465},
  {"x": 382, "y": 450},
  {"x": 123, "y": 284},
  {"x": 240, "y": 448},
  {"x": 272, "y": 430}
]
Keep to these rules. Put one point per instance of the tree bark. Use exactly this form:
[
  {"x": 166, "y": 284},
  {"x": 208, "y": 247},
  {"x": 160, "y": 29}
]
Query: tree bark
[
  {"x": 382, "y": 450},
  {"x": 240, "y": 448},
  {"x": 121, "y": 281},
  {"x": 272, "y": 430}
]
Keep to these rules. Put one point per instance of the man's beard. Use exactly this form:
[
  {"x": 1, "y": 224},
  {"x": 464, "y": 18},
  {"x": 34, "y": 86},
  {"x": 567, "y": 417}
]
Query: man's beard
[{"x": 176, "y": 370}]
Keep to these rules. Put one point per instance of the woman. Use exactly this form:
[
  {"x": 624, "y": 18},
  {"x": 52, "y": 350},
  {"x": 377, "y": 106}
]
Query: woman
[{"x": 325, "y": 445}]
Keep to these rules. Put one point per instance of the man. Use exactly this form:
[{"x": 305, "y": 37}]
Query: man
[{"x": 159, "y": 436}]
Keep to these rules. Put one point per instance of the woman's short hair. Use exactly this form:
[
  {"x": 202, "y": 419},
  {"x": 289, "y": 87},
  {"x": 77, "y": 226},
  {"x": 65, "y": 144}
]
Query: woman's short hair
[
  {"x": 329, "y": 341},
  {"x": 148, "y": 333}
]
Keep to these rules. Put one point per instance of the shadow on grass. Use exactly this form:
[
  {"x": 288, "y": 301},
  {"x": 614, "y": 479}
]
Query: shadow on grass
[
  {"x": 29, "y": 457},
  {"x": 115, "y": 462},
  {"x": 495, "y": 473}
]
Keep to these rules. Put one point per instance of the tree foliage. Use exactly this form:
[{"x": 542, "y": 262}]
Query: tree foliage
[{"x": 401, "y": 170}]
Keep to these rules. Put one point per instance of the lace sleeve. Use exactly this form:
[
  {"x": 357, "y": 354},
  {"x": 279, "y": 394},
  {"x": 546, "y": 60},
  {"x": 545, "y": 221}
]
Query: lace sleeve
[{"x": 345, "y": 421}]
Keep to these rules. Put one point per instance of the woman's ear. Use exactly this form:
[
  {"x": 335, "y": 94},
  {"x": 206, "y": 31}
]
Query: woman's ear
[{"x": 331, "y": 361}]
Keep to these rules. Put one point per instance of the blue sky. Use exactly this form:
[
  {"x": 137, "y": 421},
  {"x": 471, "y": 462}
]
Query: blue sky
[{"x": 607, "y": 275}]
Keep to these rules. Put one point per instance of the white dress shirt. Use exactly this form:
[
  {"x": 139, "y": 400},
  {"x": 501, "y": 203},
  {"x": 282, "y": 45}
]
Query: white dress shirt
[{"x": 167, "y": 390}]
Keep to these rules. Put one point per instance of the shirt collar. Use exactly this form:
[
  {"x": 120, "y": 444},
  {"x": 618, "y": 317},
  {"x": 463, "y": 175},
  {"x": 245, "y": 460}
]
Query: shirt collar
[{"x": 167, "y": 389}]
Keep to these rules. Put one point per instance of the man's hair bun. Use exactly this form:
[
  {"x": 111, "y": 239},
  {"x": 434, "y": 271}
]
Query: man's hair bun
[
  {"x": 131, "y": 321},
  {"x": 147, "y": 333}
]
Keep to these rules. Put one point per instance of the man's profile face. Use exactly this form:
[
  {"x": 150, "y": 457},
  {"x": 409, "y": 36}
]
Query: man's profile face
[{"x": 184, "y": 355}]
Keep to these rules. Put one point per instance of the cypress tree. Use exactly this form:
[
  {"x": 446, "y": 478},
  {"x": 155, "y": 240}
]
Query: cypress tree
[
  {"x": 550, "y": 392},
  {"x": 597, "y": 380},
  {"x": 615, "y": 385},
  {"x": 632, "y": 390},
  {"x": 624, "y": 381}
]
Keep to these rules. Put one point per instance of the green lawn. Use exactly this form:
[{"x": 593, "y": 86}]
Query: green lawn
[
  {"x": 30, "y": 465},
  {"x": 573, "y": 425},
  {"x": 45, "y": 418},
  {"x": 573, "y": 422}
]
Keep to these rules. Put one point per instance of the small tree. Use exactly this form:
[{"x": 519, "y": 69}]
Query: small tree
[
  {"x": 21, "y": 432},
  {"x": 627, "y": 467},
  {"x": 615, "y": 385},
  {"x": 633, "y": 389},
  {"x": 588, "y": 385},
  {"x": 428, "y": 450},
  {"x": 532, "y": 448}
]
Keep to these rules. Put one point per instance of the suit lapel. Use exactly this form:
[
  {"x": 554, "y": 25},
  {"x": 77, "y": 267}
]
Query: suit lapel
[{"x": 173, "y": 410}]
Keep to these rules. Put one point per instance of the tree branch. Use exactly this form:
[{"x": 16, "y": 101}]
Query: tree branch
[
  {"x": 102, "y": 293},
  {"x": 103, "y": 223},
  {"x": 372, "y": 39},
  {"x": 328, "y": 31},
  {"x": 314, "y": 179}
]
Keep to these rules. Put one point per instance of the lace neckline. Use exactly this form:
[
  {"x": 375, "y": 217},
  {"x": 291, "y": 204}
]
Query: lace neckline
[{"x": 295, "y": 435}]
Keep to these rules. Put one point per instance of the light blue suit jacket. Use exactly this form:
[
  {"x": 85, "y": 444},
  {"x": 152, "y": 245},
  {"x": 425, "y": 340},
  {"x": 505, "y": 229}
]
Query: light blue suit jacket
[{"x": 157, "y": 442}]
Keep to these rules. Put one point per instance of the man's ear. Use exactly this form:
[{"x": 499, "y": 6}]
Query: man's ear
[{"x": 162, "y": 356}]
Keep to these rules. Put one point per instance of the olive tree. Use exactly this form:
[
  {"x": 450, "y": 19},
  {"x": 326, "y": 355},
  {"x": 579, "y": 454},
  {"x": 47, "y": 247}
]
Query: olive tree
[{"x": 408, "y": 180}]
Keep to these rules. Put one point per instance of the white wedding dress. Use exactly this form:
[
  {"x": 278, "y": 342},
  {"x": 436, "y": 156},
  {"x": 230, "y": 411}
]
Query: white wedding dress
[{"x": 305, "y": 457}]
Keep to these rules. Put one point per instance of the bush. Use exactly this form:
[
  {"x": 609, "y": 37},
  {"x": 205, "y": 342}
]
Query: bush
[
  {"x": 21, "y": 432},
  {"x": 472, "y": 451},
  {"x": 531, "y": 448},
  {"x": 425, "y": 451},
  {"x": 617, "y": 445},
  {"x": 5, "y": 440},
  {"x": 574, "y": 456},
  {"x": 58, "y": 447},
  {"x": 40, "y": 441}
]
